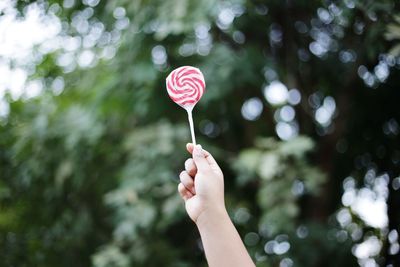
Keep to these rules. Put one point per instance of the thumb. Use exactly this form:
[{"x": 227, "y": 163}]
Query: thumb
[{"x": 199, "y": 158}]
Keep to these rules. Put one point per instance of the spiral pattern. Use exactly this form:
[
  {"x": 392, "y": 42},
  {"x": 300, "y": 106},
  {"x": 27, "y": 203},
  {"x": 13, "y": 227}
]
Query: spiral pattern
[{"x": 185, "y": 86}]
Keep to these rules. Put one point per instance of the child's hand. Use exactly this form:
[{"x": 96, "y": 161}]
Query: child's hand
[
  {"x": 202, "y": 188},
  {"x": 202, "y": 185}
]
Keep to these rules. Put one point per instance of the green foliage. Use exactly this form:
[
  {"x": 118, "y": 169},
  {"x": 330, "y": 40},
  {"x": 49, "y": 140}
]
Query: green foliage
[
  {"x": 89, "y": 168},
  {"x": 393, "y": 34},
  {"x": 145, "y": 201},
  {"x": 273, "y": 166}
]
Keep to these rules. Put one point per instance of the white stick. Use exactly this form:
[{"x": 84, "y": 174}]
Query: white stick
[{"x": 190, "y": 117}]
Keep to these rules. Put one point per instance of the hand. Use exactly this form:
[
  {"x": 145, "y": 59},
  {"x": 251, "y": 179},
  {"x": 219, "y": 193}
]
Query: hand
[
  {"x": 202, "y": 188},
  {"x": 202, "y": 185}
]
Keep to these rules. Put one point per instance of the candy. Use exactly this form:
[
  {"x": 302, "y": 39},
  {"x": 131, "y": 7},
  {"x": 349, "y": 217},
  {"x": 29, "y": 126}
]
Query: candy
[{"x": 185, "y": 86}]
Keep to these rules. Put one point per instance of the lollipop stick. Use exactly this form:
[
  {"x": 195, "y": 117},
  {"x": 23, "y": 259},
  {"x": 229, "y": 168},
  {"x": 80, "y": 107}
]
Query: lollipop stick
[{"x": 190, "y": 117}]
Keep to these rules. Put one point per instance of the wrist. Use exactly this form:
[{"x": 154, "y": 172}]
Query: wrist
[{"x": 212, "y": 217}]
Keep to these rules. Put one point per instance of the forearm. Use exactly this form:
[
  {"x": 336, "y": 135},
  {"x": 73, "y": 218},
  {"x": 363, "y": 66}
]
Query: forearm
[{"x": 221, "y": 241}]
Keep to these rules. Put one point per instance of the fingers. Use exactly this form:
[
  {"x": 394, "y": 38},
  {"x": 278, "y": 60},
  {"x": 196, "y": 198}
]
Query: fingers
[
  {"x": 211, "y": 161},
  {"x": 184, "y": 192},
  {"x": 199, "y": 159},
  {"x": 190, "y": 167},
  {"x": 189, "y": 147},
  {"x": 187, "y": 181}
]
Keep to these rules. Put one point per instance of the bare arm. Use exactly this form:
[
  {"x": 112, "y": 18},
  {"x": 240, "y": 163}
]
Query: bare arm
[{"x": 202, "y": 188}]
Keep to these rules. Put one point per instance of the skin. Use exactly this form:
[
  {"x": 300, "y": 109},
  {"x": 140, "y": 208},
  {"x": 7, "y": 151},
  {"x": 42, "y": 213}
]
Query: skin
[{"x": 202, "y": 188}]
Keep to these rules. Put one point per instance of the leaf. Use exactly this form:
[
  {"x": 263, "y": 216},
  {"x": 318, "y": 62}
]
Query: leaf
[
  {"x": 296, "y": 147},
  {"x": 269, "y": 166}
]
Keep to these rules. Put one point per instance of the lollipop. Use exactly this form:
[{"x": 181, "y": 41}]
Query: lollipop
[{"x": 185, "y": 86}]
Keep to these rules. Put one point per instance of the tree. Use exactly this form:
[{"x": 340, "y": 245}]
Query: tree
[{"x": 300, "y": 110}]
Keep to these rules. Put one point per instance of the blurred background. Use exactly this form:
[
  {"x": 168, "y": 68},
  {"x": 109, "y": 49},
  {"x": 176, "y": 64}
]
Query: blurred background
[{"x": 302, "y": 112}]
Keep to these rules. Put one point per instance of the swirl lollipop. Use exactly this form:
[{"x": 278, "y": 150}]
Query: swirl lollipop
[{"x": 185, "y": 86}]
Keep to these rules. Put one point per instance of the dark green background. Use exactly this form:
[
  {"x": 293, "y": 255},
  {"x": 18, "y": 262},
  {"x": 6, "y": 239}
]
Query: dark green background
[{"x": 89, "y": 176}]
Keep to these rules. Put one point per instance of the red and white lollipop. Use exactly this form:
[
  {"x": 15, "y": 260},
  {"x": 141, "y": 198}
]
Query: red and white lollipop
[{"x": 185, "y": 86}]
